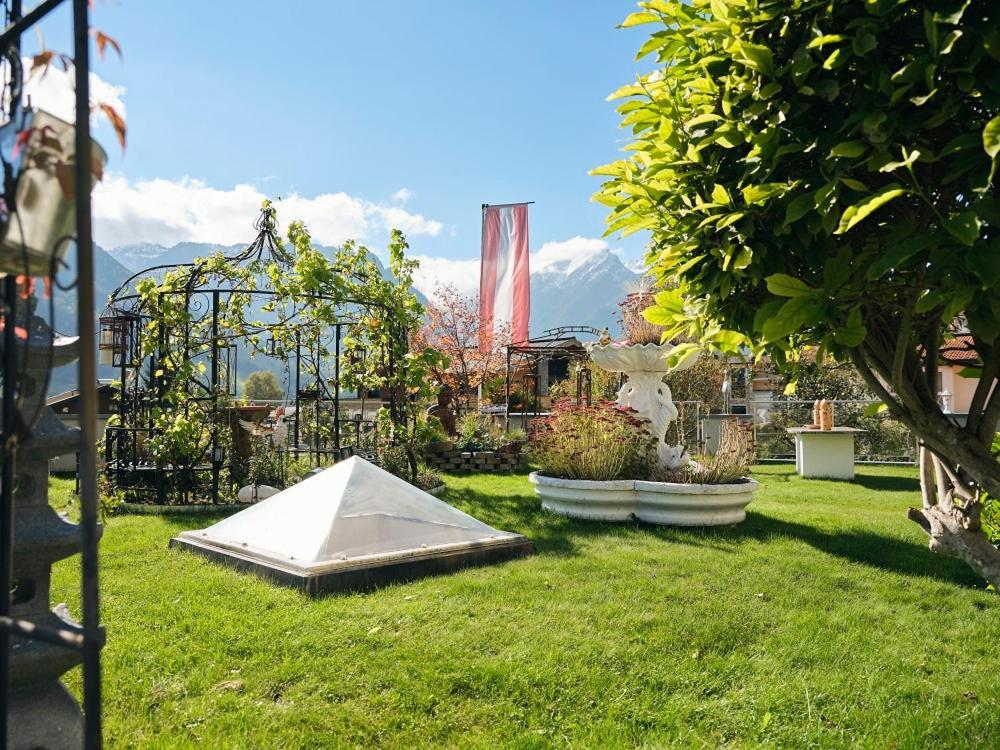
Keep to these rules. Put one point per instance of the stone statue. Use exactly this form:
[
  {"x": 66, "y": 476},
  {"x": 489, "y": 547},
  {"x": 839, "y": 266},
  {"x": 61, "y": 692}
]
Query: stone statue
[{"x": 444, "y": 410}]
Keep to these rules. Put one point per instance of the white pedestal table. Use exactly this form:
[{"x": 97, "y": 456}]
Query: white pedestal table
[{"x": 824, "y": 454}]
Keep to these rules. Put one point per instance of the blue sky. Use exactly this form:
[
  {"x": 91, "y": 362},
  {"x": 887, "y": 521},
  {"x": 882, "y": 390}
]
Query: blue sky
[{"x": 396, "y": 109}]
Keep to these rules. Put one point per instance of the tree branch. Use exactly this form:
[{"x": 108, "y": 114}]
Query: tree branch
[{"x": 987, "y": 379}]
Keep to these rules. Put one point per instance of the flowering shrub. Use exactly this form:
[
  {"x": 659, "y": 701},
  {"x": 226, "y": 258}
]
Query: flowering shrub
[{"x": 599, "y": 442}]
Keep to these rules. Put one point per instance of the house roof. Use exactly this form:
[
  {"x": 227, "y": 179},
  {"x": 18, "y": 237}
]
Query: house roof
[
  {"x": 71, "y": 394},
  {"x": 959, "y": 350}
]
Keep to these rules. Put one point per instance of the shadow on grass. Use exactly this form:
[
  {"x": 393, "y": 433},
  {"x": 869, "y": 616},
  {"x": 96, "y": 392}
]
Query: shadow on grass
[
  {"x": 559, "y": 536},
  {"x": 555, "y": 535},
  {"x": 888, "y": 553},
  {"x": 886, "y": 483}
]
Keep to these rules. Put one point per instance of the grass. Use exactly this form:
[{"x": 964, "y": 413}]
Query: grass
[{"x": 822, "y": 621}]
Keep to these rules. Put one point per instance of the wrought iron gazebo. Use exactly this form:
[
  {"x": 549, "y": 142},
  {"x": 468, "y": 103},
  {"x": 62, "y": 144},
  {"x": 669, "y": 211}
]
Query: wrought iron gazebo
[
  {"x": 202, "y": 350},
  {"x": 524, "y": 360}
]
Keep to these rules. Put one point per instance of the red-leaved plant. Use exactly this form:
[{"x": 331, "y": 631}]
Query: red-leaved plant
[{"x": 599, "y": 442}]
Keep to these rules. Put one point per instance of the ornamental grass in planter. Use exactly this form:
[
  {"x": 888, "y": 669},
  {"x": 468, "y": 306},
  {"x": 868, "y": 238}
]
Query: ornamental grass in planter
[
  {"x": 601, "y": 442},
  {"x": 729, "y": 465},
  {"x": 600, "y": 463}
]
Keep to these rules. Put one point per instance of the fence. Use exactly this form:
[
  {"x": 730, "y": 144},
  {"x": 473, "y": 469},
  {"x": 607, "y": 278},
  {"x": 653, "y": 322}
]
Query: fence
[{"x": 884, "y": 440}]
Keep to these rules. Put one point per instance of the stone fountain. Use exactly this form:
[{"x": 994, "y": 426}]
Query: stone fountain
[{"x": 645, "y": 365}]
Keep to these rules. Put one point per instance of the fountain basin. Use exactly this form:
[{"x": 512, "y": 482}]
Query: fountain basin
[{"x": 664, "y": 503}]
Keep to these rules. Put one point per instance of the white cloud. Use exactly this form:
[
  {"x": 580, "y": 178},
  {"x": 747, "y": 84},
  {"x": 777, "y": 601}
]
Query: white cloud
[
  {"x": 402, "y": 195},
  {"x": 463, "y": 275},
  {"x": 397, "y": 218},
  {"x": 568, "y": 255},
  {"x": 54, "y": 91},
  {"x": 171, "y": 211}
]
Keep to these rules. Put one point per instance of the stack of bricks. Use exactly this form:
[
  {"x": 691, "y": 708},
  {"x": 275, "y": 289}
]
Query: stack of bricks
[{"x": 449, "y": 459}]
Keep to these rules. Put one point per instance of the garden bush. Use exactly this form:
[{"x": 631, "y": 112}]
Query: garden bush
[{"x": 599, "y": 442}]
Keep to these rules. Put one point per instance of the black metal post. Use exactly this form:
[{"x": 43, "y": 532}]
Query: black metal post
[
  {"x": 7, "y": 492},
  {"x": 7, "y": 457},
  {"x": 298, "y": 387},
  {"x": 88, "y": 381},
  {"x": 318, "y": 401},
  {"x": 506, "y": 394},
  {"x": 336, "y": 391},
  {"x": 216, "y": 466}
]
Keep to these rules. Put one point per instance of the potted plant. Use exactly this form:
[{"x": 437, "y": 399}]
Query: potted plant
[
  {"x": 709, "y": 491},
  {"x": 588, "y": 458},
  {"x": 600, "y": 463}
]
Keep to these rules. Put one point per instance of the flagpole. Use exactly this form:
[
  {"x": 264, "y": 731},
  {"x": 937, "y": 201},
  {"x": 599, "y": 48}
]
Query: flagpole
[{"x": 506, "y": 205}]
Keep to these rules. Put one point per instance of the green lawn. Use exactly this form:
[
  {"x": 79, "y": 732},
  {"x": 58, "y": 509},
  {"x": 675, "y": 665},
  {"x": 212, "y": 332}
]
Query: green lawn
[{"x": 822, "y": 621}]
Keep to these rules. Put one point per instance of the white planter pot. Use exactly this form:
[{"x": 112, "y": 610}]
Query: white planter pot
[
  {"x": 666, "y": 503},
  {"x": 582, "y": 498},
  {"x": 693, "y": 504}
]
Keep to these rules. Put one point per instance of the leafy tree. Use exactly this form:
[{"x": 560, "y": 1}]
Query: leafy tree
[
  {"x": 453, "y": 329},
  {"x": 387, "y": 313},
  {"x": 823, "y": 173},
  {"x": 262, "y": 385}
]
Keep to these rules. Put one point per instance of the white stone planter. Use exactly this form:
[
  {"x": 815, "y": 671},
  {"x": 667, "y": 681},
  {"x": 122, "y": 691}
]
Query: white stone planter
[
  {"x": 666, "y": 503},
  {"x": 693, "y": 504},
  {"x": 582, "y": 498}
]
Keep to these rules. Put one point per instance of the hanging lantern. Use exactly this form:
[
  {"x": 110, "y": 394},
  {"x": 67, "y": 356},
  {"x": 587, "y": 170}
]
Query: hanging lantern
[
  {"x": 114, "y": 340},
  {"x": 272, "y": 347},
  {"x": 39, "y": 214},
  {"x": 106, "y": 343}
]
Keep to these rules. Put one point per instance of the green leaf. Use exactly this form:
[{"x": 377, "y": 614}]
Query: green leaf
[
  {"x": 757, "y": 57},
  {"x": 792, "y": 317},
  {"x": 897, "y": 255},
  {"x": 720, "y": 10},
  {"x": 854, "y": 184},
  {"x": 758, "y": 193},
  {"x": 854, "y": 332},
  {"x": 837, "y": 58},
  {"x": 783, "y": 285},
  {"x": 991, "y": 137},
  {"x": 863, "y": 44},
  {"x": 964, "y": 227},
  {"x": 866, "y": 206},
  {"x": 874, "y": 409},
  {"x": 729, "y": 220},
  {"x": 658, "y": 316},
  {"x": 825, "y": 39},
  {"x": 984, "y": 261},
  {"x": 671, "y": 301},
  {"x": 636, "y": 19},
  {"x": 703, "y": 119},
  {"x": 849, "y": 149},
  {"x": 799, "y": 207},
  {"x": 720, "y": 195},
  {"x": 908, "y": 159}
]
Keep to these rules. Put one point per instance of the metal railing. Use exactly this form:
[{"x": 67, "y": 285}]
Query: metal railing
[{"x": 885, "y": 439}]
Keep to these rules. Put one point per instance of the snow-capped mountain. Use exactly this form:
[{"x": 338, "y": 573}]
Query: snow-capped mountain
[
  {"x": 575, "y": 291},
  {"x": 570, "y": 289},
  {"x": 579, "y": 287}
]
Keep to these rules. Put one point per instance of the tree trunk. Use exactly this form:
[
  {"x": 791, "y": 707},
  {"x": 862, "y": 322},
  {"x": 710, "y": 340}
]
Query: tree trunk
[{"x": 951, "y": 517}]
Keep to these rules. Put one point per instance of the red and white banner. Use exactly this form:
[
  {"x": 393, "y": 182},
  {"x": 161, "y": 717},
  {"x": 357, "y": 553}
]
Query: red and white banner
[{"x": 504, "y": 285}]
